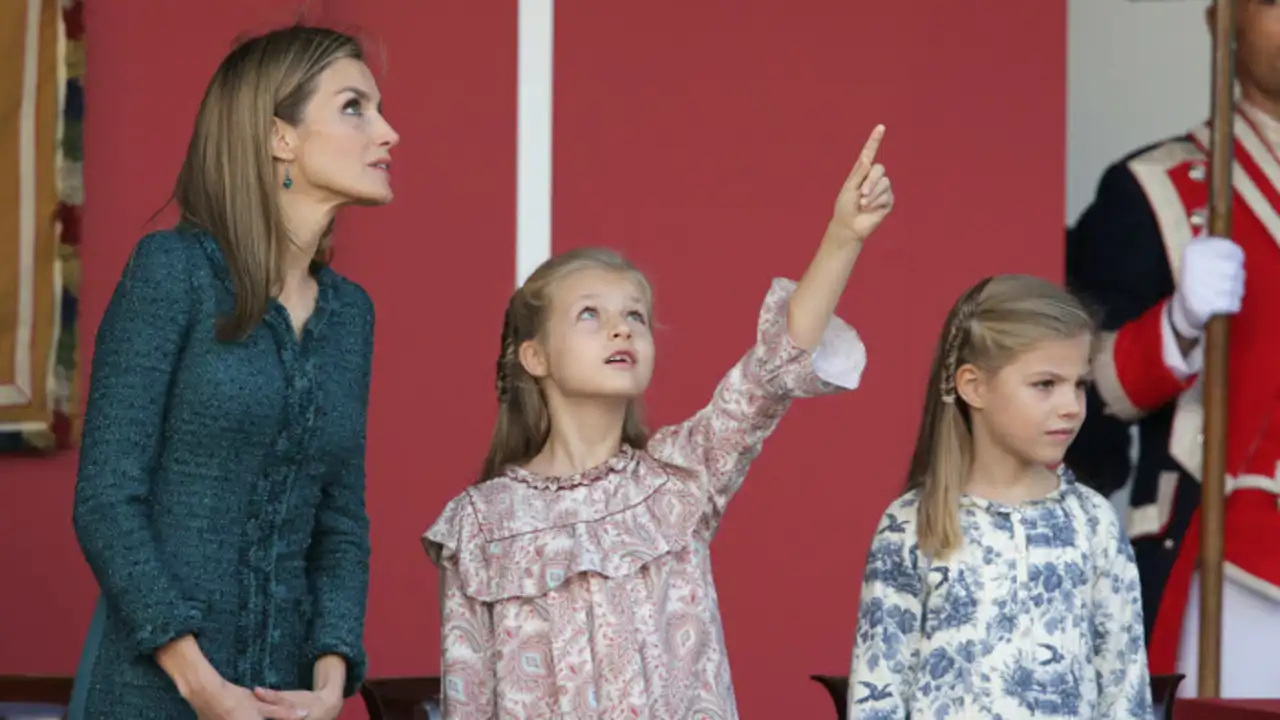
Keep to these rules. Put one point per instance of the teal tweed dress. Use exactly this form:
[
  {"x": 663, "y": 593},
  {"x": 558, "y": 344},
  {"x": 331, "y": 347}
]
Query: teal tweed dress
[{"x": 221, "y": 485}]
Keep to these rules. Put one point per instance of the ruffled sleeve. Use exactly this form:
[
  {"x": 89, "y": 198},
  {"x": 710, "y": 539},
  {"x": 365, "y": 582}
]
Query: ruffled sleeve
[{"x": 719, "y": 443}]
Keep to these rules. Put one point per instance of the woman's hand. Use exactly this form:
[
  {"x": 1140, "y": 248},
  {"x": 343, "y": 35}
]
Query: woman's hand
[
  {"x": 319, "y": 705},
  {"x": 866, "y": 197},
  {"x": 221, "y": 700},
  {"x": 205, "y": 690}
]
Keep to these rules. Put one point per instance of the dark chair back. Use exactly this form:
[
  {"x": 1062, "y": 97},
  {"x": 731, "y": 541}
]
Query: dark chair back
[
  {"x": 838, "y": 688},
  {"x": 34, "y": 696},
  {"x": 404, "y": 698},
  {"x": 1164, "y": 691}
]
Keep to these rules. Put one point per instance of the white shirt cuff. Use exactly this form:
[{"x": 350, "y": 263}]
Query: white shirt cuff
[
  {"x": 841, "y": 356},
  {"x": 1182, "y": 366}
]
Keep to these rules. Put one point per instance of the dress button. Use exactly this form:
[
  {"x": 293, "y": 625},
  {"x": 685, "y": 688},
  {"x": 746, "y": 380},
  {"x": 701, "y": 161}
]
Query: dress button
[{"x": 1168, "y": 543}]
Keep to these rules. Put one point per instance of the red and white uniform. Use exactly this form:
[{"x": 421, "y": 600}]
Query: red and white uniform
[{"x": 1141, "y": 369}]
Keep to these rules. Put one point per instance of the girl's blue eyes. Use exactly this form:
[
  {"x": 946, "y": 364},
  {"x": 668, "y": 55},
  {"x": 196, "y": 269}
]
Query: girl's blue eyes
[{"x": 590, "y": 313}]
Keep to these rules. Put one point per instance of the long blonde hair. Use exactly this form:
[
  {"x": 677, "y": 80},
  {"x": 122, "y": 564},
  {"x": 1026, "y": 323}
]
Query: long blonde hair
[
  {"x": 227, "y": 185},
  {"x": 990, "y": 325},
  {"x": 524, "y": 423}
]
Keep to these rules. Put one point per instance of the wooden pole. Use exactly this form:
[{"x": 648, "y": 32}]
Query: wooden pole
[{"x": 1213, "y": 474}]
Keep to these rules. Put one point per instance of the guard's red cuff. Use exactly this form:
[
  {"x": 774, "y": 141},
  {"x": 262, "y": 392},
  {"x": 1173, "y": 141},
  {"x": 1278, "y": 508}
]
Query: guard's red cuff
[{"x": 1138, "y": 355}]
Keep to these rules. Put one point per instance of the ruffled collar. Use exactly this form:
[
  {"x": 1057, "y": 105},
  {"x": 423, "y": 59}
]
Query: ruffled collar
[{"x": 618, "y": 463}]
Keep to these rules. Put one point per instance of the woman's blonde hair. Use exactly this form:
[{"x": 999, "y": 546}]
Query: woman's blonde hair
[
  {"x": 523, "y": 423},
  {"x": 990, "y": 325},
  {"x": 227, "y": 185}
]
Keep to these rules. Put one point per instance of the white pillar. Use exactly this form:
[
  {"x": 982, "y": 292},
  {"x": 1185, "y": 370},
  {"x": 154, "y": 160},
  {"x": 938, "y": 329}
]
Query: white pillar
[{"x": 533, "y": 135}]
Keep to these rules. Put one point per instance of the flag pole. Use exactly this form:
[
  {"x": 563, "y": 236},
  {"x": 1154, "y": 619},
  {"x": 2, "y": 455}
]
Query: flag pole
[{"x": 1213, "y": 473}]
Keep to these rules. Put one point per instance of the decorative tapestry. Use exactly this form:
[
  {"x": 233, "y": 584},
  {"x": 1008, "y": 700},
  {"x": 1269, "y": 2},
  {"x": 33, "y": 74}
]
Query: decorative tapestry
[{"x": 41, "y": 192}]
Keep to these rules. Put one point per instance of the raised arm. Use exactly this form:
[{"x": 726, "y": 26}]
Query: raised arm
[
  {"x": 801, "y": 349},
  {"x": 862, "y": 204}
]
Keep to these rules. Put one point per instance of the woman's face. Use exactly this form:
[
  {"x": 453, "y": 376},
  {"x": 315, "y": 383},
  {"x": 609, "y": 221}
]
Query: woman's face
[{"x": 341, "y": 150}]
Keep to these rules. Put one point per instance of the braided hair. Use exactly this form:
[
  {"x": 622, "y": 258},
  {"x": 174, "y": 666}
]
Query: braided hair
[
  {"x": 507, "y": 354},
  {"x": 991, "y": 324},
  {"x": 959, "y": 331}
]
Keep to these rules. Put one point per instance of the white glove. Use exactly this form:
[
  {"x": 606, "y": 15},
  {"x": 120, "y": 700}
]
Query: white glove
[{"x": 1212, "y": 283}]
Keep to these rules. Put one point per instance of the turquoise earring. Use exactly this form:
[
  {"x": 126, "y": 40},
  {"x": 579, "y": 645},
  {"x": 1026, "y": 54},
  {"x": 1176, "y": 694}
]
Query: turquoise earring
[{"x": 288, "y": 181}]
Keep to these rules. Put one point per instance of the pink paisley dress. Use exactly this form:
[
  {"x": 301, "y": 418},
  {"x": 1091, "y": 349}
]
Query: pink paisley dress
[{"x": 590, "y": 596}]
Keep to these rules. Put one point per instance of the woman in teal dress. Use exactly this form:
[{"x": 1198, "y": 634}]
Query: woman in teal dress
[{"x": 220, "y": 497}]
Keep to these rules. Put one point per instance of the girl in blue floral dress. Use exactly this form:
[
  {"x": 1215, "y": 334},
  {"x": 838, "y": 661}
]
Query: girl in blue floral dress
[{"x": 997, "y": 587}]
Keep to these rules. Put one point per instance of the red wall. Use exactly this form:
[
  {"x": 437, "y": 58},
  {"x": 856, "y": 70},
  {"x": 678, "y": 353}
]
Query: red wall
[{"x": 707, "y": 140}]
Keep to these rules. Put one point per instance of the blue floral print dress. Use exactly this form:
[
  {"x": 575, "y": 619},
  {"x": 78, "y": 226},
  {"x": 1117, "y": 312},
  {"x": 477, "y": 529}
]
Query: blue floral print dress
[{"x": 1037, "y": 615}]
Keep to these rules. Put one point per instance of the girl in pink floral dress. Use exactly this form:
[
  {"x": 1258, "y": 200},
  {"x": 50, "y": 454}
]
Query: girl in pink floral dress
[{"x": 576, "y": 576}]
